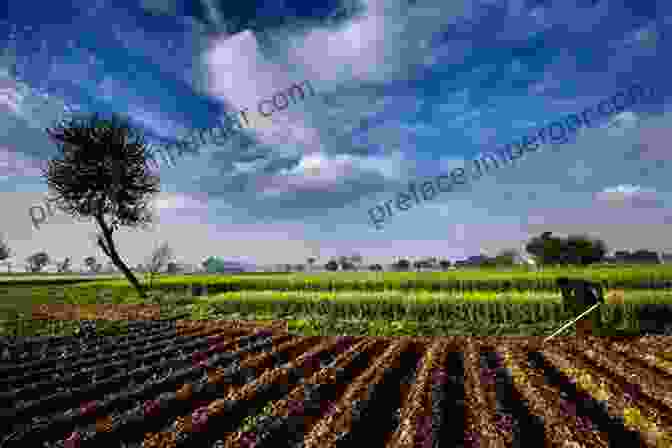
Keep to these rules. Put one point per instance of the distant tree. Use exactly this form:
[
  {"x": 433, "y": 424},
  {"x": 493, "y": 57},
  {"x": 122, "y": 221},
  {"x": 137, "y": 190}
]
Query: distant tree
[
  {"x": 573, "y": 250},
  {"x": 103, "y": 173},
  {"x": 299, "y": 268},
  {"x": 356, "y": 259},
  {"x": 90, "y": 262},
  {"x": 214, "y": 265},
  {"x": 402, "y": 265},
  {"x": 424, "y": 263},
  {"x": 622, "y": 256},
  {"x": 332, "y": 265},
  {"x": 644, "y": 256},
  {"x": 311, "y": 261},
  {"x": 343, "y": 262},
  {"x": 545, "y": 249},
  {"x": 445, "y": 264},
  {"x": 172, "y": 268},
  {"x": 5, "y": 253},
  {"x": 507, "y": 257},
  {"x": 375, "y": 268},
  {"x": 64, "y": 266},
  {"x": 582, "y": 250},
  {"x": 139, "y": 268},
  {"x": 37, "y": 261},
  {"x": 158, "y": 260}
]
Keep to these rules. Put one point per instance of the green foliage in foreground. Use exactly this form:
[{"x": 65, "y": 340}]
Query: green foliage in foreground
[
  {"x": 516, "y": 279},
  {"x": 390, "y": 312},
  {"x": 474, "y": 314}
]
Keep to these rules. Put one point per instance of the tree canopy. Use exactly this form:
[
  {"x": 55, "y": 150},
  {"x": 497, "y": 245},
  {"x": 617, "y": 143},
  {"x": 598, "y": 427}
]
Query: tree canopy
[
  {"x": 103, "y": 175},
  {"x": 575, "y": 249}
]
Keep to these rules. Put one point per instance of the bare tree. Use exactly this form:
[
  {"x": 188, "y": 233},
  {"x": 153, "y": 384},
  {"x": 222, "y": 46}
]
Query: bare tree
[
  {"x": 332, "y": 265},
  {"x": 5, "y": 253},
  {"x": 103, "y": 173},
  {"x": 37, "y": 261},
  {"x": 346, "y": 263},
  {"x": 64, "y": 266},
  {"x": 445, "y": 264},
  {"x": 173, "y": 268},
  {"x": 90, "y": 262},
  {"x": 356, "y": 259},
  {"x": 158, "y": 260}
]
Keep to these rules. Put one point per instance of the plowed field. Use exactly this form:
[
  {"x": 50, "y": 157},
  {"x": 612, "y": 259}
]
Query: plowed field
[{"x": 200, "y": 384}]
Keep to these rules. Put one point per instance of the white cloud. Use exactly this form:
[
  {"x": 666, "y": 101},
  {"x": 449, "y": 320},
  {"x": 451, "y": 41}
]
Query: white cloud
[
  {"x": 178, "y": 201},
  {"x": 629, "y": 195},
  {"x": 237, "y": 73}
]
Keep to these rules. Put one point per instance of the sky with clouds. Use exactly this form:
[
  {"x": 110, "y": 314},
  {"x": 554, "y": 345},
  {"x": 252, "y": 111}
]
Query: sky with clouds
[{"x": 404, "y": 91}]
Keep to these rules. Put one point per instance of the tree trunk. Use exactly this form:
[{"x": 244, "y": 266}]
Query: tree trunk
[{"x": 111, "y": 252}]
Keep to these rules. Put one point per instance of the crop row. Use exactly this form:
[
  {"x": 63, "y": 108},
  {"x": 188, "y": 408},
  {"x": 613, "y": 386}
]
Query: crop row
[
  {"x": 387, "y": 282},
  {"x": 615, "y": 277},
  {"x": 34, "y": 356},
  {"x": 117, "y": 392},
  {"x": 23, "y": 349},
  {"x": 220, "y": 386},
  {"x": 29, "y": 355},
  {"x": 93, "y": 366},
  {"x": 632, "y": 316}
]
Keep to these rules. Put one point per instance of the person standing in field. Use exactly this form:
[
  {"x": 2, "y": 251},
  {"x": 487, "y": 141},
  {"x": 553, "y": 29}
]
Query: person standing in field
[{"x": 577, "y": 297}]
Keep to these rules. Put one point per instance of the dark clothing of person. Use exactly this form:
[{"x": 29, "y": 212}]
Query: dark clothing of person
[{"x": 577, "y": 297}]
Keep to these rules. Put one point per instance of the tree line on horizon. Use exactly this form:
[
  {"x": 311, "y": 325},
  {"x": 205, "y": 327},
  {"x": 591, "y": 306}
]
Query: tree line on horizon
[{"x": 103, "y": 174}]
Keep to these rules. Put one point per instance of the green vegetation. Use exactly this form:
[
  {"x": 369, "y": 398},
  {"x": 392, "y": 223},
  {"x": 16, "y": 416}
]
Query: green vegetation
[
  {"x": 480, "y": 302},
  {"x": 625, "y": 277}
]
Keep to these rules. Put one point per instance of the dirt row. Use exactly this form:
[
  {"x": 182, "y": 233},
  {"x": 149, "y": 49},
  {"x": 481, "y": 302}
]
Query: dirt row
[{"x": 201, "y": 383}]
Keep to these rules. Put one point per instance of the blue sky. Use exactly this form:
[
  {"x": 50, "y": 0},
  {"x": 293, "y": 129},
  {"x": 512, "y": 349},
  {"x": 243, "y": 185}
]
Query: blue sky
[{"x": 404, "y": 91}]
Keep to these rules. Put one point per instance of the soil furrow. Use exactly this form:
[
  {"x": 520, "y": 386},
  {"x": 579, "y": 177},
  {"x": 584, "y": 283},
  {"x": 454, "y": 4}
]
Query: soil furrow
[
  {"x": 632, "y": 390},
  {"x": 125, "y": 398},
  {"x": 338, "y": 423},
  {"x": 587, "y": 395},
  {"x": 480, "y": 418},
  {"x": 292, "y": 417},
  {"x": 544, "y": 401}
]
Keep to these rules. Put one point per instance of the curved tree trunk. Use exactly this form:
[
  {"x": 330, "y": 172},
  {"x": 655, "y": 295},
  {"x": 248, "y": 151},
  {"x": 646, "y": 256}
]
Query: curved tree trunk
[{"x": 108, "y": 247}]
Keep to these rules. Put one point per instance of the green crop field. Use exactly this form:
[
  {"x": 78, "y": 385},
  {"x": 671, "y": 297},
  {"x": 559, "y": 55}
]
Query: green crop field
[{"x": 464, "y": 302}]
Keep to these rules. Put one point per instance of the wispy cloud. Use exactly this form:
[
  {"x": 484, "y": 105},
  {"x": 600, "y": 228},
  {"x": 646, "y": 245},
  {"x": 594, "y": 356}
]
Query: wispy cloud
[{"x": 404, "y": 91}]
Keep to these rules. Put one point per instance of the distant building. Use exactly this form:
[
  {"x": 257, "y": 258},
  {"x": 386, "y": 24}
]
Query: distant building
[{"x": 234, "y": 267}]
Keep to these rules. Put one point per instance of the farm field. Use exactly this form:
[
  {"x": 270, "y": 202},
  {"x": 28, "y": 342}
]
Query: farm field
[
  {"x": 641, "y": 277},
  {"x": 222, "y": 384},
  {"x": 498, "y": 303},
  {"x": 275, "y": 361}
]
